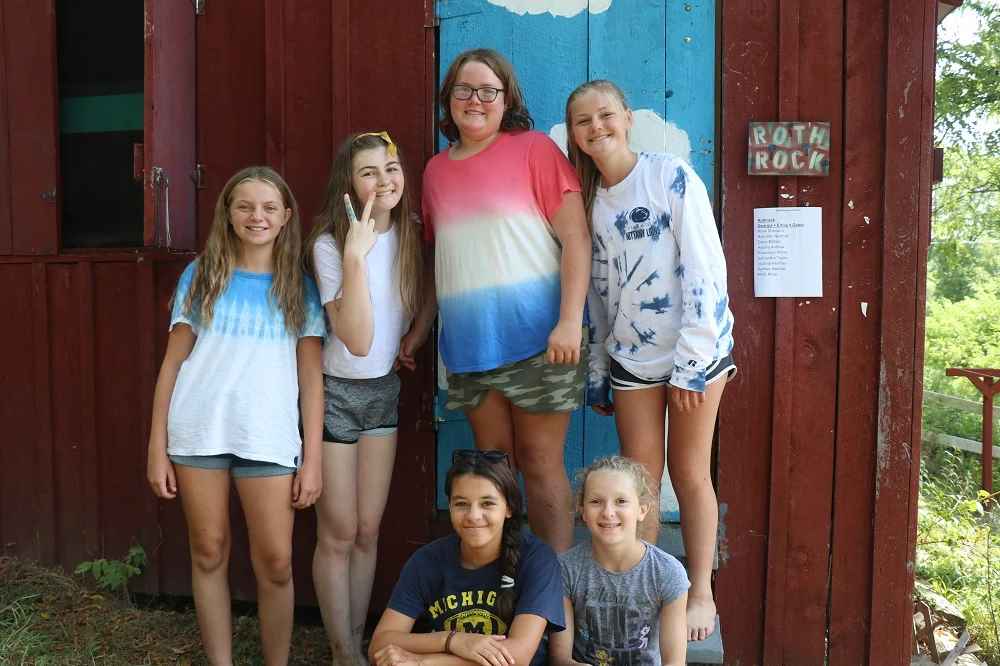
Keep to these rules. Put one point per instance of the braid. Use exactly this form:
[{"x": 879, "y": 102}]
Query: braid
[{"x": 510, "y": 555}]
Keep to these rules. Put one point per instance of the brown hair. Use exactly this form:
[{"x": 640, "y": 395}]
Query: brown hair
[
  {"x": 216, "y": 262},
  {"x": 586, "y": 169},
  {"x": 515, "y": 115},
  {"x": 500, "y": 474},
  {"x": 332, "y": 218}
]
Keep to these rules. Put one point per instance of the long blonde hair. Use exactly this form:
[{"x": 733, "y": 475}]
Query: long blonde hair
[
  {"x": 586, "y": 169},
  {"x": 332, "y": 218},
  {"x": 222, "y": 250}
]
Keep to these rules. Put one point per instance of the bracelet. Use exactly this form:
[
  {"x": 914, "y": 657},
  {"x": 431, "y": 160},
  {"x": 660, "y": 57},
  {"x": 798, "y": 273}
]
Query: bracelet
[{"x": 447, "y": 641}]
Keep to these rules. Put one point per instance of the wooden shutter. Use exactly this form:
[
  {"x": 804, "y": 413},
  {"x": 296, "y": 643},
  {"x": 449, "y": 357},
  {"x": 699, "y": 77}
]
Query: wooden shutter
[
  {"x": 29, "y": 164},
  {"x": 169, "y": 159}
]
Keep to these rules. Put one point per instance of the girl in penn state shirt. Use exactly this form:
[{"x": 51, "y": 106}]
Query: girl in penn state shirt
[
  {"x": 488, "y": 592},
  {"x": 661, "y": 326}
]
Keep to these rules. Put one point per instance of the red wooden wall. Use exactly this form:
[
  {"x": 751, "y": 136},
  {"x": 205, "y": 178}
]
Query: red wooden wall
[
  {"x": 77, "y": 368},
  {"x": 819, "y": 434}
]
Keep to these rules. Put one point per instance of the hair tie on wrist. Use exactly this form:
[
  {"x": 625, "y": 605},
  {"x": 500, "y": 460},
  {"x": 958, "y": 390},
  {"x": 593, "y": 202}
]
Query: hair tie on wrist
[
  {"x": 447, "y": 641},
  {"x": 506, "y": 582}
]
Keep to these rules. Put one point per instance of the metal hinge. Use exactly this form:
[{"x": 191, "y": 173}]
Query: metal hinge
[
  {"x": 198, "y": 176},
  {"x": 199, "y": 7}
]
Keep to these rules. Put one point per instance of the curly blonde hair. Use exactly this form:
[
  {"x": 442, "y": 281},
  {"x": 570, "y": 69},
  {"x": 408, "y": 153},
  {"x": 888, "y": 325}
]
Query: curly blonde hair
[{"x": 636, "y": 471}]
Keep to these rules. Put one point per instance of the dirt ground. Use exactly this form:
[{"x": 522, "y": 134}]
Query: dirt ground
[{"x": 47, "y": 617}]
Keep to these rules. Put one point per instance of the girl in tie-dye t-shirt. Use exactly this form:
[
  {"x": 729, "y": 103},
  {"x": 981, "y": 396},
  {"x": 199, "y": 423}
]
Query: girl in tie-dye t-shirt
[
  {"x": 511, "y": 265},
  {"x": 661, "y": 326},
  {"x": 242, "y": 363}
]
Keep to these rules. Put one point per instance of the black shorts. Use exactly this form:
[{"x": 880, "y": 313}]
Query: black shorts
[{"x": 623, "y": 380}]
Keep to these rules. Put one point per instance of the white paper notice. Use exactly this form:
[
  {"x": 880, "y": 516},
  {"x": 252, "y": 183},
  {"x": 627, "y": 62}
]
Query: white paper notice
[{"x": 788, "y": 251}]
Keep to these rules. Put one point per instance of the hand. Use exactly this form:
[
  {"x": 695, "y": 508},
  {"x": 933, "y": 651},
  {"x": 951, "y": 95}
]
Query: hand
[
  {"x": 307, "y": 486},
  {"x": 361, "y": 234},
  {"x": 410, "y": 343},
  {"x": 392, "y": 655},
  {"x": 160, "y": 474},
  {"x": 605, "y": 409},
  {"x": 564, "y": 344},
  {"x": 684, "y": 400},
  {"x": 482, "y": 649}
]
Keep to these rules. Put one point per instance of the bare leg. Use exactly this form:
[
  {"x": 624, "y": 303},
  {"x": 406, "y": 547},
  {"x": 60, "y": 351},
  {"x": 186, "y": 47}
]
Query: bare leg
[
  {"x": 205, "y": 498},
  {"x": 539, "y": 442},
  {"x": 639, "y": 416},
  {"x": 689, "y": 456},
  {"x": 267, "y": 504},
  {"x": 492, "y": 425},
  {"x": 376, "y": 456},
  {"x": 336, "y": 532}
]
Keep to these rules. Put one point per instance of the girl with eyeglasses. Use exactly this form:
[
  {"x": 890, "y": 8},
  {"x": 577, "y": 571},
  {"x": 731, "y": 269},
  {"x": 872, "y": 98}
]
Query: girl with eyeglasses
[
  {"x": 659, "y": 308},
  {"x": 511, "y": 265},
  {"x": 369, "y": 273},
  {"x": 488, "y": 592}
]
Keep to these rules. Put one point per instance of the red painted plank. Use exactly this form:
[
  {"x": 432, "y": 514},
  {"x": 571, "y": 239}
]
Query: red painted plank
[
  {"x": 309, "y": 142},
  {"x": 275, "y": 74},
  {"x": 170, "y": 122},
  {"x": 19, "y": 526},
  {"x": 231, "y": 75},
  {"x": 74, "y": 456},
  {"x": 127, "y": 508},
  {"x": 45, "y": 487},
  {"x": 749, "y": 92},
  {"x": 907, "y": 180},
  {"x": 5, "y": 167},
  {"x": 860, "y": 314},
  {"x": 29, "y": 31}
]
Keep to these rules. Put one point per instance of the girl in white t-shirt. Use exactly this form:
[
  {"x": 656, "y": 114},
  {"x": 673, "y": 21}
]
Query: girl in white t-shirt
[
  {"x": 661, "y": 328},
  {"x": 242, "y": 362},
  {"x": 369, "y": 274}
]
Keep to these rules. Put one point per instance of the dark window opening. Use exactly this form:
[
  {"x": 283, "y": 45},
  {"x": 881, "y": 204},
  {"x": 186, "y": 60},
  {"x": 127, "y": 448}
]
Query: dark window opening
[{"x": 100, "y": 56}]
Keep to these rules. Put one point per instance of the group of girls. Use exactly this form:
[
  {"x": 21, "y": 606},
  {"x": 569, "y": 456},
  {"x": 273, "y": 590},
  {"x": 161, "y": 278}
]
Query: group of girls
[{"x": 292, "y": 390}]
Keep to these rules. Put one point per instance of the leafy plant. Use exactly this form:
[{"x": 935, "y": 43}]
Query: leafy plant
[{"x": 114, "y": 575}]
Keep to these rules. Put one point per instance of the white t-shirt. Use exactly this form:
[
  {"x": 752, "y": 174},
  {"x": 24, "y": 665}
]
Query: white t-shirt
[
  {"x": 390, "y": 319},
  {"x": 238, "y": 390}
]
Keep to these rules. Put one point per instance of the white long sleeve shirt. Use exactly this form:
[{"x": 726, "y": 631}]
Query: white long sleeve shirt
[{"x": 658, "y": 300}]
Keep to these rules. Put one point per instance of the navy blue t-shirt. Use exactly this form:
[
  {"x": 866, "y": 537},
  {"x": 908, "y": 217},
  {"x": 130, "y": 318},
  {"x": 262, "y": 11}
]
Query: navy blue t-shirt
[{"x": 435, "y": 587}]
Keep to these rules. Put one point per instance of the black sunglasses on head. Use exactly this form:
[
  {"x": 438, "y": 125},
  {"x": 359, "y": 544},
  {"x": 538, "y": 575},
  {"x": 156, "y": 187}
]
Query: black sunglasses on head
[{"x": 475, "y": 455}]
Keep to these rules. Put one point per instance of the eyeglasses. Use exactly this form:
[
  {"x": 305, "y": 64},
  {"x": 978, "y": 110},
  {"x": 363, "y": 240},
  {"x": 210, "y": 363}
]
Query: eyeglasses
[
  {"x": 390, "y": 149},
  {"x": 486, "y": 94},
  {"x": 475, "y": 455}
]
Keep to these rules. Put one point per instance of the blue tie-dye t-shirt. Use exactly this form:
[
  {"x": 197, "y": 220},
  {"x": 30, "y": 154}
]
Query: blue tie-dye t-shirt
[
  {"x": 658, "y": 299},
  {"x": 238, "y": 390}
]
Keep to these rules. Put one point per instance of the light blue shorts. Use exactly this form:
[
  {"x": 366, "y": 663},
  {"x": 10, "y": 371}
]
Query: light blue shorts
[{"x": 241, "y": 468}]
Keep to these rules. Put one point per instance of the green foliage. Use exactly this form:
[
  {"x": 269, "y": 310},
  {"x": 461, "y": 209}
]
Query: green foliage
[
  {"x": 114, "y": 575},
  {"x": 968, "y": 83},
  {"x": 958, "y": 543}
]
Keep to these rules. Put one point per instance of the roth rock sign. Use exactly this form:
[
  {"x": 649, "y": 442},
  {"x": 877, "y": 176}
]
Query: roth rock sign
[{"x": 789, "y": 149}]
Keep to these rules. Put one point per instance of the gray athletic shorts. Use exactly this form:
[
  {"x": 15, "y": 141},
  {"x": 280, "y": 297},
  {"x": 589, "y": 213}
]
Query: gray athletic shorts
[{"x": 355, "y": 407}]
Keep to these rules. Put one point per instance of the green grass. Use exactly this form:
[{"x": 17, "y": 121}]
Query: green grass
[{"x": 958, "y": 542}]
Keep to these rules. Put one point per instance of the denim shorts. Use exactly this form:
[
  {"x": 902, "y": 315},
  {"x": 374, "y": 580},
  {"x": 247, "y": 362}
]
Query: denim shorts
[{"x": 241, "y": 468}]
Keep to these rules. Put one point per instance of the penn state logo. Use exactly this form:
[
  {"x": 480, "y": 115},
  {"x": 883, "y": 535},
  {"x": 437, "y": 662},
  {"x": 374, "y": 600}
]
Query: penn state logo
[{"x": 639, "y": 214}]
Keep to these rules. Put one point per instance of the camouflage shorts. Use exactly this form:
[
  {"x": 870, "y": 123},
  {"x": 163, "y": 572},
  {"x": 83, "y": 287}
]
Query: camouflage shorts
[{"x": 531, "y": 384}]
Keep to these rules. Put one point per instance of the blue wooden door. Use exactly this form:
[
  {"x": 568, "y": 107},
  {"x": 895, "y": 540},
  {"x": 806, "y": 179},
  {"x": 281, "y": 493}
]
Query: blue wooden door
[{"x": 660, "y": 52}]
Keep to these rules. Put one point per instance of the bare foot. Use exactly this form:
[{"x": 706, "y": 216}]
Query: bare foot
[{"x": 700, "y": 617}]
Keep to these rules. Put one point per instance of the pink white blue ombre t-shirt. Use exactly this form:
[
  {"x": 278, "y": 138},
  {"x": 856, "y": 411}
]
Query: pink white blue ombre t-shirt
[{"x": 496, "y": 256}]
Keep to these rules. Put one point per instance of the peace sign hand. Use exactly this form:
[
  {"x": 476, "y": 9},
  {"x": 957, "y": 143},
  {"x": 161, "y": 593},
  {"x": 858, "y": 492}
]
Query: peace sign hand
[{"x": 361, "y": 233}]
